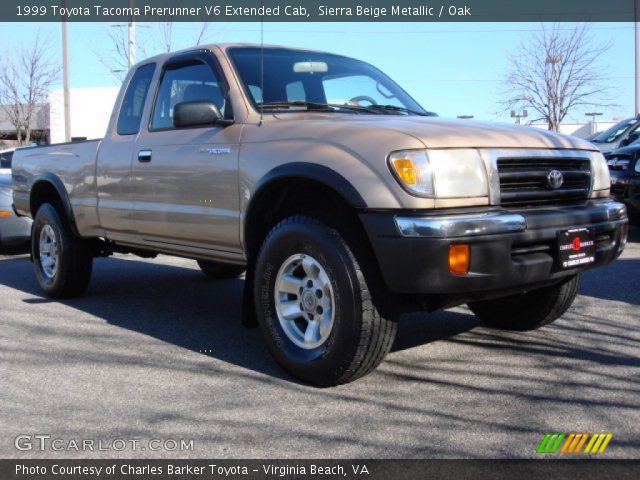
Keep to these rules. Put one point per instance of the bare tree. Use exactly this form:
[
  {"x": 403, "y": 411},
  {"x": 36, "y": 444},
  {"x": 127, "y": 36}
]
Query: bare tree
[
  {"x": 26, "y": 77},
  {"x": 151, "y": 40},
  {"x": 555, "y": 72}
]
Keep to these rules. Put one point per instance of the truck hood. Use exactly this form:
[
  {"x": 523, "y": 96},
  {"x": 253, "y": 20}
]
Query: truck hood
[{"x": 437, "y": 132}]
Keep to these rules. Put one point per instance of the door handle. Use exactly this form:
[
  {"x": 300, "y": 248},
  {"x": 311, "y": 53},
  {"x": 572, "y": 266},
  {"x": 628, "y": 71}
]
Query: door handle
[{"x": 144, "y": 156}]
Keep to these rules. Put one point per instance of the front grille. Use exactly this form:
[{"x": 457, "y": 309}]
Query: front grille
[{"x": 524, "y": 181}]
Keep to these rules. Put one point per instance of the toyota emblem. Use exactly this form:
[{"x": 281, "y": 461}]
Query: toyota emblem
[{"x": 555, "y": 179}]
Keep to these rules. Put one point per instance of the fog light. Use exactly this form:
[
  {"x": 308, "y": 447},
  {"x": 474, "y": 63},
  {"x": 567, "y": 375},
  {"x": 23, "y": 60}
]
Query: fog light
[{"x": 459, "y": 258}]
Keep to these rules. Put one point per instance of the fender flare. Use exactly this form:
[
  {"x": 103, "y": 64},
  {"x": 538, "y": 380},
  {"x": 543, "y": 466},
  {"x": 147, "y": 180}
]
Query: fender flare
[
  {"x": 310, "y": 171},
  {"x": 56, "y": 183}
]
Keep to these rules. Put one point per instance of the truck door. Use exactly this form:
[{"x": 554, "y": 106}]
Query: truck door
[
  {"x": 113, "y": 168},
  {"x": 185, "y": 180}
]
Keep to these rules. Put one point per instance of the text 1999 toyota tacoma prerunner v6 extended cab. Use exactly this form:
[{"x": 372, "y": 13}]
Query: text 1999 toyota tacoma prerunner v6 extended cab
[{"x": 343, "y": 199}]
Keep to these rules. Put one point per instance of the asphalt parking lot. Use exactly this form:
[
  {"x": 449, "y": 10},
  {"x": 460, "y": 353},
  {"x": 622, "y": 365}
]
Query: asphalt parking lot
[{"x": 155, "y": 350}]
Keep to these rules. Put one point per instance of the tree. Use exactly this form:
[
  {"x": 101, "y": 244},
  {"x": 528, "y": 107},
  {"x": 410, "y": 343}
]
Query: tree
[
  {"x": 26, "y": 77},
  {"x": 151, "y": 40},
  {"x": 555, "y": 72}
]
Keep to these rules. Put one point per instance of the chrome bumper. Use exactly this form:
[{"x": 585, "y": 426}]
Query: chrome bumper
[{"x": 492, "y": 223}]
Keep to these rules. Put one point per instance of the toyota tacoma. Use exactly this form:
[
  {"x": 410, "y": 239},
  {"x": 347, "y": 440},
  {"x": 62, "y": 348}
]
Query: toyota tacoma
[{"x": 344, "y": 200}]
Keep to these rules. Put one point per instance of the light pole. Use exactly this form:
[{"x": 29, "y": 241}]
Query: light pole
[
  {"x": 593, "y": 116},
  {"x": 518, "y": 116},
  {"x": 131, "y": 44},
  {"x": 66, "y": 101},
  {"x": 637, "y": 46}
]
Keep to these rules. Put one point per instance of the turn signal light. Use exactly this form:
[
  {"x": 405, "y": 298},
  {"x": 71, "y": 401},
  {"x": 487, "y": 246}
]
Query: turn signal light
[
  {"x": 5, "y": 213},
  {"x": 405, "y": 169},
  {"x": 459, "y": 258}
]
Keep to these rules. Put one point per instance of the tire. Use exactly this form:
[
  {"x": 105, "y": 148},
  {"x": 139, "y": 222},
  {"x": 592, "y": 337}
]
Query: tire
[
  {"x": 530, "y": 310},
  {"x": 220, "y": 270},
  {"x": 69, "y": 274},
  {"x": 351, "y": 337}
]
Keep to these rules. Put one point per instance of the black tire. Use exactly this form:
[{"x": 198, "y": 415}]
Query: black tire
[
  {"x": 75, "y": 256},
  {"x": 530, "y": 310},
  {"x": 220, "y": 270},
  {"x": 360, "y": 337}
]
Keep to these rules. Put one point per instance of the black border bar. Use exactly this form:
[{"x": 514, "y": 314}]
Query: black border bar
[
  {"x": 321, "y": 10},
  {"x": 584, "y": 469}
]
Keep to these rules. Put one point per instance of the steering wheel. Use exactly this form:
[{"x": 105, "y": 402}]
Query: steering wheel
[{"x": 362, "y": 98}]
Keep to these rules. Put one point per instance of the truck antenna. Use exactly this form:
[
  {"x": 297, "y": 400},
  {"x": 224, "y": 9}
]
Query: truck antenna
[{"x": 262, "y": 64}]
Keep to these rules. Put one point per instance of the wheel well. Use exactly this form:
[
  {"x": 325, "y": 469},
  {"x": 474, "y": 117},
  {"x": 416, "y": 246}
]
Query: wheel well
[
  {"x": 44, "y": 192},
  {"x": 294, "y": 196}
]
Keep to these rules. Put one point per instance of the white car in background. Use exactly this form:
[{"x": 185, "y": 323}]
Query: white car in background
[{"x": 15, "y": 232}]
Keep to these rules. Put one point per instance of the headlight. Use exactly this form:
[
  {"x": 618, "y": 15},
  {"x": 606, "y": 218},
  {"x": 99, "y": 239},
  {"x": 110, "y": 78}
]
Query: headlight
[
  {"x": 601, "y": 179},
  {"x": 451, "y": 173}
]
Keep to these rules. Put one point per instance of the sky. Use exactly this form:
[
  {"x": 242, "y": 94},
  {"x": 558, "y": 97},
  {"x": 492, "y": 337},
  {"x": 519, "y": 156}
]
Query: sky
[{"x": 449, "y": 68}]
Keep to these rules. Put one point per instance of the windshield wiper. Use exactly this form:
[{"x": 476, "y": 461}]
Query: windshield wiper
[
  {"x": 296, "y": 103},
  {"x": 317, "y": 106},
  {"x": 395, "y": 108},
  {"x": 376, "y": 109}
]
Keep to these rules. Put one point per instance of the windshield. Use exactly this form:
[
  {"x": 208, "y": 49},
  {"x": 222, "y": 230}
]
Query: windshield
[
  {"x": 300, "y": 80},
  {"x": 615, "y": 132}
]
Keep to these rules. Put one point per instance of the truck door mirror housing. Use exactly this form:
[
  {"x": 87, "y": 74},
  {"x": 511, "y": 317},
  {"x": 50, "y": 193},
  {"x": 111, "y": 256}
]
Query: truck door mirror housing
[{"x": 191, "y": 114}]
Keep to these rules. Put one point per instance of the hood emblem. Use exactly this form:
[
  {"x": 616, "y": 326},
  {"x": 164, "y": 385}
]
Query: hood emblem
[{"x": 555, "y": 179}]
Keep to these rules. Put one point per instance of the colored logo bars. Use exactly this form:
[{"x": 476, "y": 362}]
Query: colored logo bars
[{"x": 573, "y": 443}]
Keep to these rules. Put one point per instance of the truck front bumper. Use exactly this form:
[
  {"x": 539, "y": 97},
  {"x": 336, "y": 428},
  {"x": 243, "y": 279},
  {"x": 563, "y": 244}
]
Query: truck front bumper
[{"x": 510, "y": 250}]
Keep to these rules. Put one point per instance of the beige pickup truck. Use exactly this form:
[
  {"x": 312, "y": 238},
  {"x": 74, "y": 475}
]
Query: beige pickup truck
[{"x": 345, "y": 202}]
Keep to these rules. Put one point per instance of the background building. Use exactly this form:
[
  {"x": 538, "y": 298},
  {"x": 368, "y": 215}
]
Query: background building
[
  {"x": 90, "y": 112},
  {"x": 39, "y": 127}
]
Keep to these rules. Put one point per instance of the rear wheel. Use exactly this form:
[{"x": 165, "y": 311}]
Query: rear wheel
[
  {"x": 314, "y": 306},
  {"x": 61, "y": 260},
  {"x": 530, "y": 310},
  {"x": 220, "y": 270}
]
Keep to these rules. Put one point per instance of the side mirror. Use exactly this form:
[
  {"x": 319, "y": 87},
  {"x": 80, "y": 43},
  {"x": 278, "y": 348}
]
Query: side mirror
[
  {"x": 625, "y": 142},
  {"x": 191, "y": 114}
]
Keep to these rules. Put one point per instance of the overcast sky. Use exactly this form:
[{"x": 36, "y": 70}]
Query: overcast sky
[{"x": 450, "y": 68}]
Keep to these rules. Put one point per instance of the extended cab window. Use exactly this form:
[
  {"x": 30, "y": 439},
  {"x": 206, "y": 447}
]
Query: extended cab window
[
  {"x": 134, "y": 98},
  {"x": 186, "y": 83}
]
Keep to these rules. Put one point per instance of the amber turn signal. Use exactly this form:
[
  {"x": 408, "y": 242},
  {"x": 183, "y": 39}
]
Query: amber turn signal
[
  {"x": 406, "y": 170},
  {"x": 5, "y": 213},
  {"x": 459, "y": 258}
]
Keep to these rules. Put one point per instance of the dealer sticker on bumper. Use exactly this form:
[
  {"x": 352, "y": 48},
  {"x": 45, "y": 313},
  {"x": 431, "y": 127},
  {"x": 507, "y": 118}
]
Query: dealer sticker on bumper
[{"x": 576, "y": 247}]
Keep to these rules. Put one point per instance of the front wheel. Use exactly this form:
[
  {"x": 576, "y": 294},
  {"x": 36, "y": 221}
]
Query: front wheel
[
  {"x": 530, "y": 310},
  {"x": 314, "y": 307},
  {"x": 61, "y": 260}
]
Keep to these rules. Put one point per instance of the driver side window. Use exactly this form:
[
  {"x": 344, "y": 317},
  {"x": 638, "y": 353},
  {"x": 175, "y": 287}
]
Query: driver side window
[{"x": 186, "y": 83}]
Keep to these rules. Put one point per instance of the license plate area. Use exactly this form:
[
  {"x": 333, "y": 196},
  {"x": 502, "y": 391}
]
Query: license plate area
[{"x": 576, "y": 247}]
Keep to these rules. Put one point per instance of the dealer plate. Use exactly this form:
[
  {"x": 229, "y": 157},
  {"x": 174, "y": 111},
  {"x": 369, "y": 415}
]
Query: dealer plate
[{"x": 576, "y": 247}]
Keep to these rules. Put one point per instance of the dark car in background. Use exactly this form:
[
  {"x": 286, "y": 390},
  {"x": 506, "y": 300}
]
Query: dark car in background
[
  {"x": 620, "y": 135},
  {"x": 15, "y": 232},
  {"x": 624, "y": 167}
]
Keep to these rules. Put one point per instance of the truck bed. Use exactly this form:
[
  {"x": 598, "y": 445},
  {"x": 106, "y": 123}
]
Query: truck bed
[{"x": 72, "y": 163}]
